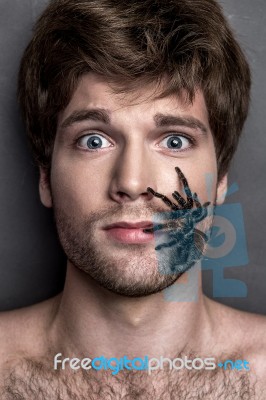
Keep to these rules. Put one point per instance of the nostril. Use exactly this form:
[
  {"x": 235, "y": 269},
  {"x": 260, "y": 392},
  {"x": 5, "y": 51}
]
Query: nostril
[
  {"x": 148, "y": 195},
  {"x": 122, "y": 195}
]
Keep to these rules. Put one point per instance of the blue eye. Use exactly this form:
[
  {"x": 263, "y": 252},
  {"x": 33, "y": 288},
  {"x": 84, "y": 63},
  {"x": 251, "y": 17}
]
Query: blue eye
[
  {"x": 93, "y": 142},
  {"x": 176, "y": 142}
]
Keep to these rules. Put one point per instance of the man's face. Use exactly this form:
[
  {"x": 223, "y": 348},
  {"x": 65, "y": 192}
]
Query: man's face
[{"x": 108, "y": 149}]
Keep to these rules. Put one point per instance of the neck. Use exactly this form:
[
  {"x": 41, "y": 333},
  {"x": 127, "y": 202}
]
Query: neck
[{"x": 92, "y": 321}]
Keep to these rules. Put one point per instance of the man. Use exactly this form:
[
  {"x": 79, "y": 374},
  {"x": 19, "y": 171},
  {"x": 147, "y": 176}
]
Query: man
[{"x": 126, "y": 104}]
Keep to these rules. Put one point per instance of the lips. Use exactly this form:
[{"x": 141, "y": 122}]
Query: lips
[
  {"x": 131, "y": 225},
  {"x": 130, "y": 232}
]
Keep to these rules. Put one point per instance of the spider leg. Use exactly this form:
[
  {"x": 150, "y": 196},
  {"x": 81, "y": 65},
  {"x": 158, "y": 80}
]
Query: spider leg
[
  {"x": 163, "y": 245},
  {"x": 199, "y": 214},
  {"x": 168, "y": 226},
  {"x": 181, "y": 176},
  {"x": 199, "y": 242},
  {"x": 165, "y": 199},
  {"x": 201, "y": 234},
  {"x": 198, "y": 203},
  {"x": 186, "y": 187},
  {"x": 196, "y": 200},
  {"x": 155, "y": 228},
  {"x": 174, "y": 224},
  {"x": 179, "y": 199},
  {"x": 189, "y": 199}
]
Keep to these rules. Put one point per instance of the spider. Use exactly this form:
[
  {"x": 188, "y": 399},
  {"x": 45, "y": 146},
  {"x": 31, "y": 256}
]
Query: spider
[{"x": 183, "y": 236}]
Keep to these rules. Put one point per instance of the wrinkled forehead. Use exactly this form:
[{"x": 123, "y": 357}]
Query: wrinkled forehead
[{"x": 95, "y": 91}]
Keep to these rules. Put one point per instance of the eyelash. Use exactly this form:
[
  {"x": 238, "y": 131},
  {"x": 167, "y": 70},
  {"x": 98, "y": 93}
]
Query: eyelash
[
  {"x": 191, "y": 141},
  {"x": 75, "y": 142}
]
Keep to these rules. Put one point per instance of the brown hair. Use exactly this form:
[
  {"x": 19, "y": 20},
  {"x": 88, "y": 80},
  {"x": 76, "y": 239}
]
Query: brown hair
[{"x": 132, "y": 42}]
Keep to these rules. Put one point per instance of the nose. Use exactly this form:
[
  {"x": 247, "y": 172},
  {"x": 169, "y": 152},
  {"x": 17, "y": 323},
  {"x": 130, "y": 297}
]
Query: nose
[{"x": 132, "y": 174}]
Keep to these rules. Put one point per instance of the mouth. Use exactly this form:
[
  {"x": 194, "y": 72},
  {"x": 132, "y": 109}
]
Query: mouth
[{"x": 128, "y": 232}]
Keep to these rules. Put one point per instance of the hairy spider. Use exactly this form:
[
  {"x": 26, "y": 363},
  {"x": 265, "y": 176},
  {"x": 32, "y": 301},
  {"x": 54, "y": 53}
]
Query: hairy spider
[{"x": 187, "y": 241}]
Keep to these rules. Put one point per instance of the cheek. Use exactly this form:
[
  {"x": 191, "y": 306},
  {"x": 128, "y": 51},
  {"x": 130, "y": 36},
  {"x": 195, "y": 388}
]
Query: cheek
[
  {"x": 202, "y": 178},
  {"x": 75, "y": 187}
]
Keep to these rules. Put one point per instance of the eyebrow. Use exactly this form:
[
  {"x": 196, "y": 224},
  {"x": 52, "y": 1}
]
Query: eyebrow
[
  {"x": 97, "y": 114},
  {"x": 161, "y": 120}
]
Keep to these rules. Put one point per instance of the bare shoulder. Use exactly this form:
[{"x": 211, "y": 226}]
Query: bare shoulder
[
  {"x": 245, "y": 334},
  {"x": 23, "y": 331}
]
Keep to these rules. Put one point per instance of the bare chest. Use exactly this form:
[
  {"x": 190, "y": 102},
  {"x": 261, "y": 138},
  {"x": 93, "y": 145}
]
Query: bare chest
[{"x": 31, "y": 381}]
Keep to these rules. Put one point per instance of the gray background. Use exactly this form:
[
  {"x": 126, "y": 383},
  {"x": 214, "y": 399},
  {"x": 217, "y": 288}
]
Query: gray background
[{"x": 32, "y": 265}]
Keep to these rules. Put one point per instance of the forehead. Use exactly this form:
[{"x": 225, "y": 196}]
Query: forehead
[{"x": 93, "y": 91}]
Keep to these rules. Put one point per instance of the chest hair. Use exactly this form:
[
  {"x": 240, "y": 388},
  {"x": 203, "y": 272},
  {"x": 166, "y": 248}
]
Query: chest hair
[{"x": 35, "y": 380}]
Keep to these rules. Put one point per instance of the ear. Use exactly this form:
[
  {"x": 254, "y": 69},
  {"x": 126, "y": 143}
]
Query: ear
[
  {"x": 45, "y": 188},
  {"x": 222, "y": 190}
]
